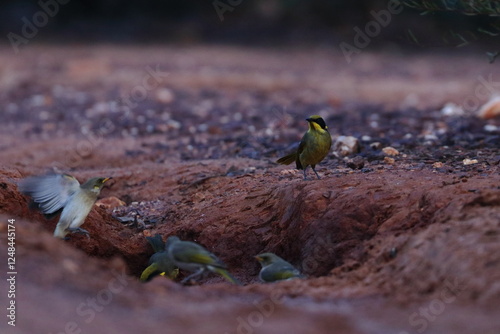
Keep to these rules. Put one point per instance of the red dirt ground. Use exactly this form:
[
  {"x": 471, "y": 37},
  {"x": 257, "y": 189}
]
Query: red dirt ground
[{"x": 403, "y": 247}]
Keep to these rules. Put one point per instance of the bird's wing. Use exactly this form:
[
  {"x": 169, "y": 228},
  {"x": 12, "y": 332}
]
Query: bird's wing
[
  {"x": 285, "y": 271},
  {"x": 301, "y": 148},
  {"x": 302, "y": 144},
  {"x": 51, "y": 192},
  {"x": 189, "y": 252},
  {"x": 288, "y": 274}
]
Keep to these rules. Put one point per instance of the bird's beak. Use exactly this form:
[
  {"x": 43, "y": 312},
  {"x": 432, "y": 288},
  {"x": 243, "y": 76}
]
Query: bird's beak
[
  {"x": 106, "y": 179},
  {"x": 258, "y": 258},
  {"x": 309, "y": 119}
]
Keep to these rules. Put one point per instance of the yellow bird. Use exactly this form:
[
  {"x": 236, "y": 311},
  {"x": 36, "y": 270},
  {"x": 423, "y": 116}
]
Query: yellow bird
[
  {"x": 62, "y": 193},
  {"x": 313, "y": 148},
  {"x": 159, "y": 262},
  {"x": 192, "y": 257}
]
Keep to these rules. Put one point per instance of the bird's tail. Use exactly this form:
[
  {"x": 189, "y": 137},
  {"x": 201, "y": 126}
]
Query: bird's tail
[
  {"x": 287, "y": 159},
  {"x": 149, "y": 272},
  {"x": 156, "y": 242},
  {"x": 224, "y": 273}
]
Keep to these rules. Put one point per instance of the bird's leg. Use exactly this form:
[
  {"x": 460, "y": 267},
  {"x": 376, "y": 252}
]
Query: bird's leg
[
  {"x": 78, "y": 230},
  {"x": 305, "y": 175},
  {"x": 198, "y": 273},
  {"x": 314, "y": 170}
]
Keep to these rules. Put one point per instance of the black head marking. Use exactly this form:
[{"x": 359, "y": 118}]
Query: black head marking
[{"x": 320, "y": 121}]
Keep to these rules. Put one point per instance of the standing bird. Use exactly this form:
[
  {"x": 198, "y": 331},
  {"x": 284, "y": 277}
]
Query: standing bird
[
  {"x": 274, "y": 268},
  {"x": 159, "y": 262},
  {"x": 313, "y": 148},
  {"x": 192, "y": 257},
  {"x": 61, "y": 192}
]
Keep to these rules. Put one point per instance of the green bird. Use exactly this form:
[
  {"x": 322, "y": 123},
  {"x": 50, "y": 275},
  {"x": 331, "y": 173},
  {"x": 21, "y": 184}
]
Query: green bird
[
  {"x": 313, "y": 147},
  {"x": 159, "y": 262},
  {"x": 274, "y": 268},
  {"x": 192, "y": 257},
  {"x": 62, "y": 193}
]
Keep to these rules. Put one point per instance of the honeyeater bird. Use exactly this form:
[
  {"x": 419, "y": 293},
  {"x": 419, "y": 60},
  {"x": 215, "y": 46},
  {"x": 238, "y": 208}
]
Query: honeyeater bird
[
  {"x": 313, "y": 147},
  {"x": 159, "y": 262},
  {"x": 63, "y": 193},
  {"x": 192, "y": 257},
  {"x": 274, "y": 268}
]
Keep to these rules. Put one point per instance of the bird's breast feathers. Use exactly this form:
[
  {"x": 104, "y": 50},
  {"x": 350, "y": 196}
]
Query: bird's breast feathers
[{"x": 77, "y": 209}]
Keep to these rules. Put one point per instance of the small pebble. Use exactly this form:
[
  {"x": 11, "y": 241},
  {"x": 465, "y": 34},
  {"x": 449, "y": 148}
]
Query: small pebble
[
  {"x": 110, "y": 202},
  {"x": 389, "y": 161},
  {"x": 490, "y": 128},
  {"x": 451, "y": 109},
  {"x": 391, "y": 151},
  {"x": 346, "y": 145},
  {"x": 470, "y": 161},
  {"x": 164, "y": 95},
  {"x": 356, "y": 162},
  {"x": 490, "y": 109}
]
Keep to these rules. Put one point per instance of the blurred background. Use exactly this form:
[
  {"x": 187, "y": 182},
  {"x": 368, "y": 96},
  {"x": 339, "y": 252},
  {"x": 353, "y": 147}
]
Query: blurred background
[{"x": 422, "y": 23}]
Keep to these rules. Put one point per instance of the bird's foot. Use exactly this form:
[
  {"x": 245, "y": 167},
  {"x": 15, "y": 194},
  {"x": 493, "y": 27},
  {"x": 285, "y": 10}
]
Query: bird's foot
[
  {"x": 190, "y": 277},
  {"x": 305, "y": 175},
  {"x": 188, "y": 281},
  {"x": 79, "y": 230}
]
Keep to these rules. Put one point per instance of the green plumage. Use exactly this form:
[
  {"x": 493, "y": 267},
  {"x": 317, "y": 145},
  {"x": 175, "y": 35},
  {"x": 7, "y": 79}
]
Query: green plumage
[
  {"x": 192, "y": 257},
  {"x": 62, "y": 193},
  {"x": 159, "y": 262},
  {"x": 274, "y": 268},
  {"x": 313, "y": 148}
]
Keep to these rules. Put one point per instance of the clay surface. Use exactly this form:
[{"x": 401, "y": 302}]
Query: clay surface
[{"x": 401, "y": 240}]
